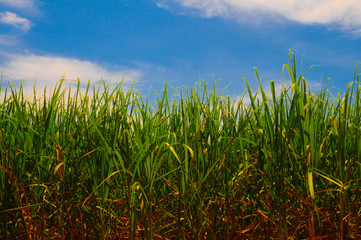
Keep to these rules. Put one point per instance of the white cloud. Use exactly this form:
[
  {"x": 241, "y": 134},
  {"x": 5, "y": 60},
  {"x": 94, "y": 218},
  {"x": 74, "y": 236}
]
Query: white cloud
[
  {"x": 48, "y": 70},
  {"x": 346, "y": 13},
  {"x": 15, "y": 20},
  {"x": 8, "y": 40},
  {"x": 19, "y": 3}
]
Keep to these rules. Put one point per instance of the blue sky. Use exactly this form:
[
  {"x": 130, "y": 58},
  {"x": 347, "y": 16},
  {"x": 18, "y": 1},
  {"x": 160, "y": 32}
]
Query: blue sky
[{"x": 178, "y": 41}]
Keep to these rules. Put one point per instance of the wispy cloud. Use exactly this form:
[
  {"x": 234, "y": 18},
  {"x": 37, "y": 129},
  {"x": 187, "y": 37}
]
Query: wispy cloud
[
  {"x": 18, "y": 3},
  {"x": 8, "y": 40},
  {"x": 14, "y": 20},
  {"x": 346, "y": 13},
  {"x": 48, "y": 70}
]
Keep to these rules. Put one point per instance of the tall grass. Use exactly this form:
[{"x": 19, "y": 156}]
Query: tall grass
[{"x": 196, "y": 166}]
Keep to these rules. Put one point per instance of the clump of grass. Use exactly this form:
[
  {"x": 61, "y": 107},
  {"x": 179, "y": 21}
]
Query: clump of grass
[{"x": 198, "y": 165}]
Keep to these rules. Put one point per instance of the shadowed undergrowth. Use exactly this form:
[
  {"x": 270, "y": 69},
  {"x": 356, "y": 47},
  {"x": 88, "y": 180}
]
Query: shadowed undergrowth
[{"x": 196, "y": 166}]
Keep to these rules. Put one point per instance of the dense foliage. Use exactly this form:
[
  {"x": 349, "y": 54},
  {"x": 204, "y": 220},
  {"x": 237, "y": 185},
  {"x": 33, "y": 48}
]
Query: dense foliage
[{"x": 196, "y": 166}]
